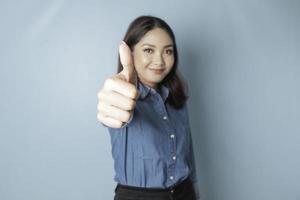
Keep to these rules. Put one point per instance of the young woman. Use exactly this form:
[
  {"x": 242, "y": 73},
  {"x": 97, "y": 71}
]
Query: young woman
[{"x": 144, "y": 108}]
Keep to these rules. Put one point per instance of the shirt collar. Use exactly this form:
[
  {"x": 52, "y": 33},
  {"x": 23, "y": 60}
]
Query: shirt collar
[{"x": 144, "y": 90}]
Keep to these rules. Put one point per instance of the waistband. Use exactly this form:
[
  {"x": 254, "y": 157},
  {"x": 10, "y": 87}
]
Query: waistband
[{"x": 179, "y": 188}]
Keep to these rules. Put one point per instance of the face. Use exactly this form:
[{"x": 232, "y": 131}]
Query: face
[{"x": 153, "y": 57}]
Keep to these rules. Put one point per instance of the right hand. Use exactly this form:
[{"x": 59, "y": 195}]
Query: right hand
[{"x": 117, "y": 98}]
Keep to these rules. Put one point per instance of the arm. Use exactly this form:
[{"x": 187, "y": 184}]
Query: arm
[{"x": 193, "y": 175}]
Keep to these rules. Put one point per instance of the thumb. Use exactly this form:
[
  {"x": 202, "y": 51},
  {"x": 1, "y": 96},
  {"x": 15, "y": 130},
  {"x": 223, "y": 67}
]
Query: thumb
[{"x": 127, "y": 62}]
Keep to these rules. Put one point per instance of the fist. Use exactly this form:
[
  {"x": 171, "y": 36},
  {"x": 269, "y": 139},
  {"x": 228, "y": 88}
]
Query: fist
[{"x": 117, "y": 98}]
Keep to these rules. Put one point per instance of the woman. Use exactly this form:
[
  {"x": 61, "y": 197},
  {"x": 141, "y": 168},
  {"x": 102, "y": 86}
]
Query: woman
[{"x": 144, "y": 108}]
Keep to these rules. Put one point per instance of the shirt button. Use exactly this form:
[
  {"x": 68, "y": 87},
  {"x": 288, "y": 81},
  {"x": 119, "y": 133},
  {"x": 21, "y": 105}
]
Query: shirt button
[
  {"x": 165, "y": 117},
  {"x": 174, "y": 157},
  {"x": 171, "y": 177},
  {"x": 172, "y": 136}
]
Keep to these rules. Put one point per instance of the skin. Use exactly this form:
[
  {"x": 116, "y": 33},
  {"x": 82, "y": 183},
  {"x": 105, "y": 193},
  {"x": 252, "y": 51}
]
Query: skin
[{"x": 151, "y": 60}]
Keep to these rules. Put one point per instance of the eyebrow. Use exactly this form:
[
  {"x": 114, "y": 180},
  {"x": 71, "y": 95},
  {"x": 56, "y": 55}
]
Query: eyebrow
[{"x": 147, "y": 44}]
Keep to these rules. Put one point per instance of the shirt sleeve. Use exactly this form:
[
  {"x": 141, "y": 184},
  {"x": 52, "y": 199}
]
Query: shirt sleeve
[{"x": 193, "y": 175}]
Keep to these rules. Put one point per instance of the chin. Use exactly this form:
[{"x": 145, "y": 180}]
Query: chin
[{"x": 156, "y": 81}]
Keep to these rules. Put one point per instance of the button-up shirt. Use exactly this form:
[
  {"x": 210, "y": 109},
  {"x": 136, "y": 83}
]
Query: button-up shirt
[{"x": 154, "y": 149}]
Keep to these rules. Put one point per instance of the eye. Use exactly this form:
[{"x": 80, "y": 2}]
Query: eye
[
  {"x": 148, "y": 50},
  {"x": 169, "y": 51}
]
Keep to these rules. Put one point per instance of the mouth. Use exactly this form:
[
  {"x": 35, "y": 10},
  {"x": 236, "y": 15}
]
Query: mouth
[{"x": 157, "y": 71}]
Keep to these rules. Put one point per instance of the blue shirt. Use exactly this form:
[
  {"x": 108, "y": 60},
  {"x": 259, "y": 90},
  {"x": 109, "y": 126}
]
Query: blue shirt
[{"x": 154, "y": 150}]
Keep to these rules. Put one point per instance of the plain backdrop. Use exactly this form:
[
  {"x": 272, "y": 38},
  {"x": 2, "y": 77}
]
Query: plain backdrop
[{"x": 239, "y": 57}]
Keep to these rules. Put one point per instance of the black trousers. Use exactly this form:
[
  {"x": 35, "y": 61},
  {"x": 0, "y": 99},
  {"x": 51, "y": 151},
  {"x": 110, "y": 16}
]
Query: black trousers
[{"x": 183, "y": 191}]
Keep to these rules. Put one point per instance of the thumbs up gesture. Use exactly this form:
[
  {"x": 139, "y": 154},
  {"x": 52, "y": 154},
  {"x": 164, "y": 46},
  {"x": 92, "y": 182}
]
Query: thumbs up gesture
[{"x": 117, "y": 98}]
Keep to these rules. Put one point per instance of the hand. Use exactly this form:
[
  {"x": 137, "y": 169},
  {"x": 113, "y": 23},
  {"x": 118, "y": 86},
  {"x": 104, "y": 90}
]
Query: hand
[{"x": 117, "y": 98}]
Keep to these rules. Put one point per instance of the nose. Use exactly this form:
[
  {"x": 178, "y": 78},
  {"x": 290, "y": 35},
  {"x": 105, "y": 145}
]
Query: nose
[{"x": 158, "y": 59}]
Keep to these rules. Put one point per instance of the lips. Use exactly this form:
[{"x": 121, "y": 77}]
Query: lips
[{"x": 157, "y": 71}]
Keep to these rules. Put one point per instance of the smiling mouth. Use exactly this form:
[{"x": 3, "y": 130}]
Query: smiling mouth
[
  {"x": 160, "y": 69},
  {"x": 157, "y": 71}
]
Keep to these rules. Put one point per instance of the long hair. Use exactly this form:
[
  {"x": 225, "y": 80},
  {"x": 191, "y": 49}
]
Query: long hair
[{"x": 174, "y": 81}]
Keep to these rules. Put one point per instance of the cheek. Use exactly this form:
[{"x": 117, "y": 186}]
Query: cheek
[
  {"x": 141, "y": 61},
  {"x": 169, "y": 62},
  {"x": 145, "y": 60}
]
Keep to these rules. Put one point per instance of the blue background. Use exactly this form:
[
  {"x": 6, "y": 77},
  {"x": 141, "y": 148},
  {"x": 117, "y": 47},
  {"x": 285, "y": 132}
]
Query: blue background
[{"x": 240, "y": 58}]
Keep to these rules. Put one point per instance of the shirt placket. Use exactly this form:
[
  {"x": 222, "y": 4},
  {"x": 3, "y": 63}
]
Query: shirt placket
[{"x": 170, "y": 131}]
